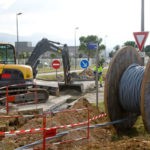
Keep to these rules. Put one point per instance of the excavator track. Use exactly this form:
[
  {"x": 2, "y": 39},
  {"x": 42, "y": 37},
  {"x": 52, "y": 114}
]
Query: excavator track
[{"x": 36, "y": 95}]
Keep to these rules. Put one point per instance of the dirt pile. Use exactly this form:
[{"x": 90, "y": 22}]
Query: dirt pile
[
  {"x": 99, "y": 138},
  {"x": 87, "y": 74}
]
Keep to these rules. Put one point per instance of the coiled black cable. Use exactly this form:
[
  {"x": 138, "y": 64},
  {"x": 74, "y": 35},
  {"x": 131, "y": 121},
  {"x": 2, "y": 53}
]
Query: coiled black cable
[{"x": 130, "y": 87}]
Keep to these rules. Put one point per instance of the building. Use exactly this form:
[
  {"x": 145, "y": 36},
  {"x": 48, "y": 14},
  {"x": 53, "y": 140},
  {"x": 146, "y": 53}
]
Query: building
[
  {"x": 23, "y": 47},
  {"x": 27, "y": 47}
]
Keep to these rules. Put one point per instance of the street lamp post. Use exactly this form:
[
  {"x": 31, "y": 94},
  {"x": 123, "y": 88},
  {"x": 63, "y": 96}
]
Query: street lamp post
[
  {"x": 17, "y": 33},
  {"x": 75, "y": 46}
]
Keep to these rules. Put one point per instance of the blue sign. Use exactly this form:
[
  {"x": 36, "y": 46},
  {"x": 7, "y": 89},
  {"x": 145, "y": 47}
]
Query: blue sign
[
  {"x": 92, "y": 46},
  {"x": 84, "y": 63}
]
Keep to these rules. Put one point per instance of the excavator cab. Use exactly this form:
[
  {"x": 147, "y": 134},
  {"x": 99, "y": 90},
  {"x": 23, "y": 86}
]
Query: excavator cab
[
  {"x": 7, "y": 54},
  {"x": 17, "y": 78},
  {"x": 10, "y": 72}
]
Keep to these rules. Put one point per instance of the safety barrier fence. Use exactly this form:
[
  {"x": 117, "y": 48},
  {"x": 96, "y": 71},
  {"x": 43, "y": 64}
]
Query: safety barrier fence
[
  {"x": 11, "y": 98},
  {"x": 61, "y": 134},
  {"x": 52, "y": 131}
]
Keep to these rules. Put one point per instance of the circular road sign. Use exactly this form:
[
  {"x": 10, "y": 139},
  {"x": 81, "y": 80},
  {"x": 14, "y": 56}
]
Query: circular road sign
[
  {"x": 84, "y": 63},
  {"x": 56, "y": 64}
]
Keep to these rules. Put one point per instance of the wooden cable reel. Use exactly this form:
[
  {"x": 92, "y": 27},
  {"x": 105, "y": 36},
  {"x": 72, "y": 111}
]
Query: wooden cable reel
[{"x": 121, "y": 61}]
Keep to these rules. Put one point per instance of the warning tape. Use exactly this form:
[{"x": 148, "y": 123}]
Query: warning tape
[
  {"x": 81, "y": 123},
  {"x": 33, "y": 130},
  {"x": 17, "y": 116}
]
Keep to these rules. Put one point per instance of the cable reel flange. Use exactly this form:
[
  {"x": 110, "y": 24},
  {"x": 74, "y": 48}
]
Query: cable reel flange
[
  {"x": 145, "y": 97},
  {"x": 120, "y": 62}
]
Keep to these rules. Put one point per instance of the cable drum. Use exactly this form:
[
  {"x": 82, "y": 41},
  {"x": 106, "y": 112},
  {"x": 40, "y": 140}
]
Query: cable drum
[
  {"x": 130, "y": 87},
  {"x": 127, "y": 89}
]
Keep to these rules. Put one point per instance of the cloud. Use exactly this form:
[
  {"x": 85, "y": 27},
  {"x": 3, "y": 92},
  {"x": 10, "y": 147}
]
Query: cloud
[{"x": 5, "y": 4}]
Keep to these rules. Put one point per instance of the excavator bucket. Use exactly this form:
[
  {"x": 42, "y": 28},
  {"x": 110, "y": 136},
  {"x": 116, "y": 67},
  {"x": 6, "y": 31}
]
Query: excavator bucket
[{"x": 74, "y": 86}]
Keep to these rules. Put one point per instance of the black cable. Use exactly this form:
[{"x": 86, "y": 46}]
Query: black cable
[{"x": 130, "y": 87}]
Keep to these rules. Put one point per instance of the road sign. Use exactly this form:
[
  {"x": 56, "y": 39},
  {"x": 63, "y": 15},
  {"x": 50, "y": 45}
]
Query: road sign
[
  {"x": 92, "y": 46},
  {"x": 56, "y": 64},
  {"x": 140, "y": 38},
  {"x": 84, "y": 63}
]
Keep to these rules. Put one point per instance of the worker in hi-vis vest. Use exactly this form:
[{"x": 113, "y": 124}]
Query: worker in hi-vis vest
[{"x": 100, "y": 70}]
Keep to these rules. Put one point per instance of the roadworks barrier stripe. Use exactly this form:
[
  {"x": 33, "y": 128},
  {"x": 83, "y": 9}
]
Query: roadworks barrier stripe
[{"x": 33, "y": 130}]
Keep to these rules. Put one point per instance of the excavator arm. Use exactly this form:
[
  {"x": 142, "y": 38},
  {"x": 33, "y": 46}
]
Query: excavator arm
[{"x": 46, "y": 45}]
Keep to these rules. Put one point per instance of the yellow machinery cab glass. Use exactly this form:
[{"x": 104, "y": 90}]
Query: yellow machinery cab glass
[{"x": 7, "y": 54}]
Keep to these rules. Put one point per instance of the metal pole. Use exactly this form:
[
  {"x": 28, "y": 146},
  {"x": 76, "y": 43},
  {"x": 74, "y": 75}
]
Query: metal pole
[
  {"x": 75, "y": 47},
  {"x": 105, "y": 48},
  {"x": 97, "y": 60},
  {"x": 142, "y": 22},
  {"x": 142, "y": 15},
  {"x": 17, "y": 52}
]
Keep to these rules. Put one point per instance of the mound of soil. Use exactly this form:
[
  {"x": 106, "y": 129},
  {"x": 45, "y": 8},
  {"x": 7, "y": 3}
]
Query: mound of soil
[{"x": 99, "y": 138}]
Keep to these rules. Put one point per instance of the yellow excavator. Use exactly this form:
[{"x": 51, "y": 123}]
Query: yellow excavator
[{"x": 18, "y": 80}]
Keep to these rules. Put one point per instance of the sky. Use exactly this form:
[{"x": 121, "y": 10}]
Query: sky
[{"x": 113, "y": 20}]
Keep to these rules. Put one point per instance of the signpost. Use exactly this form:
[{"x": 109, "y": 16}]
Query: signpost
[
  {"x": 140, "y": 38},
  {"x": 56, "y": 65},
  {"x": 84, "y": 63},
  {"x": 94, "y": 46}
]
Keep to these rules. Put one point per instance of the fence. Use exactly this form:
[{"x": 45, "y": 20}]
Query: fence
[
  {"x": 54, "y": 131},
  {"x": 15, "y": 98},
  {"x": 48, "y": 62}
]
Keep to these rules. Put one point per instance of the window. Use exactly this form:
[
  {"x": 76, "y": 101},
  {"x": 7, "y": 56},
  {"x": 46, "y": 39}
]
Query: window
[{"x": 7, "y": 54}]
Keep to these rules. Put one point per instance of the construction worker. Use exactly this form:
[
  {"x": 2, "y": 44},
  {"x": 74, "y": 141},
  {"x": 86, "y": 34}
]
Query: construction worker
[{"x": 100, "y": 70}]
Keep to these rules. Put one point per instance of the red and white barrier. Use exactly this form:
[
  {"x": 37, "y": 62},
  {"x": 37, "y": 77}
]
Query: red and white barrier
[{"x": 17, "y": 132}]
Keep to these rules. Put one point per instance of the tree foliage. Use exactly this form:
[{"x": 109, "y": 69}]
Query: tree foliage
[
  {"x": 83, "y": 45},
  {"x": 130, "y": 43},
  {"x": 115, "y": 49},
  {"x": 147, "y": 50},
  {"x": 52, "y": 55}
]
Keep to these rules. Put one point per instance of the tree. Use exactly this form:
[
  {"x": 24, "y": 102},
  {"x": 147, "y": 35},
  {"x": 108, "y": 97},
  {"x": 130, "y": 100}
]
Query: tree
[
  {"x": 115, "y": 49},
  {"x": 83, "y": 45},
  {"x": 130, "y": 43},
  {"x": 111, "y": 54},
  {"x": 52, "y": 55},
  {"x": 147, "y": 50}
]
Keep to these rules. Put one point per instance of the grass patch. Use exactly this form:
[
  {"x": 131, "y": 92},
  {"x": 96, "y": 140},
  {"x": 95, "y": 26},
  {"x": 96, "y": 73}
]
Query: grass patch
[
  {"x": 101, "y": 106},
  {"x": 47, "y": 77},
  {"x": 138, "y": 130}
]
